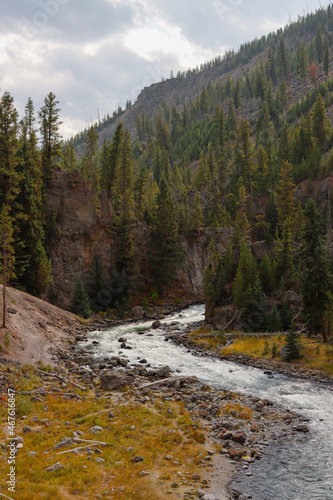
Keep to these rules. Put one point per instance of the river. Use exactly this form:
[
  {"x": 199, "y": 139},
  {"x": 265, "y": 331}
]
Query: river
[{"x": 301, "y": 469}]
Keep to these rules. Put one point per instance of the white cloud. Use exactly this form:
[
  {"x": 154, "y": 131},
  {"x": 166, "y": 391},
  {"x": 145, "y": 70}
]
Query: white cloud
[{"x": 100, "y": 54}]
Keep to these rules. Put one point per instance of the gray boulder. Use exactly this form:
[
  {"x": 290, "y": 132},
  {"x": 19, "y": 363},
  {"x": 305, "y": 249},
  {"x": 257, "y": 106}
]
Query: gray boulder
[{"x": 112, "y": 381}]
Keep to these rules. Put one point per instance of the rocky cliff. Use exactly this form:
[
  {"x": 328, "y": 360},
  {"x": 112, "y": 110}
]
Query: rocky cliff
[{"x": 81, "y": 227}]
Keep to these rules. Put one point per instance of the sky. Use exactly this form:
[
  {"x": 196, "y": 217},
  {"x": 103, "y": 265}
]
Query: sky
[{"x": 94, "y": 55}]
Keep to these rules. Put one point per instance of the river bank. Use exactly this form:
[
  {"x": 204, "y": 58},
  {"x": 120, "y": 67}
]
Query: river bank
[{"x": 224, "y": 415}]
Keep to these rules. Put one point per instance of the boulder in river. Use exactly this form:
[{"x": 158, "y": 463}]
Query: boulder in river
[
  {"x": 138, "y": 312},
  {"x": 156, "y": 324}
]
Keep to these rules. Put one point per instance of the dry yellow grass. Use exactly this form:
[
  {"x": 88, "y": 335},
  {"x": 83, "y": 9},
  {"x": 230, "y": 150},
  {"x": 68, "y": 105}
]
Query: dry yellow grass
[
  {"x": 315, "y": 355},
  {"x": 149, "y": 431}
]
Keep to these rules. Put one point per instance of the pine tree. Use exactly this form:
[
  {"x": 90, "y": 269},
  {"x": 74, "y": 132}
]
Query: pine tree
[
  {"x": 286, "y": 316},
  {"x": 49, "y": 130},
  {"x": 197, "y": 218},
  {"x": 237, "y": 95},
  {"x": 285, "y": 199},
  {"x": 255, "y": 313},
  {"x": 274, "y": 324},
  {"x": 293, "y": 345},
  {"x": 266, "y": 273},
  {"x": 271, "y": 65},
  {"x": 80, "y": 304},
  {"x": 123, "y": 181},
  {"x": 302, "y": 61},
  {"x": 9, "y": 177},
  {"x": 111, "y": 157},
  {"x": 69, "y": 162},
  {"x": 283, "y": 61},
  {"x": 33, "y": 268},
  {"x": 7, "y": 257},
  {"x": 259, "y": 84},
  {"x": 319, "y": 45},
  {"x": 231, "y": 118},
  {"x": 141, "y": 191},
  {"x": 89, "y": 162},
  {"x": 316, "y": 276},
  {"x": 245, "y": 152},
  {"x": 166, "y": 254},
  {"x": 319, "y": 123},
  {"x": 246, "y": 276},
  {"x": 327, "y": 60}
]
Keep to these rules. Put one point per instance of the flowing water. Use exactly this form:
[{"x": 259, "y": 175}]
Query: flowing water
[{"x": 301, "y": 469}]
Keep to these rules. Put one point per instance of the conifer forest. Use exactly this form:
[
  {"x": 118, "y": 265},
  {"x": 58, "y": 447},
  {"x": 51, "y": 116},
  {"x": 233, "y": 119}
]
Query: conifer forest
[{"x": 251, "y": 152}]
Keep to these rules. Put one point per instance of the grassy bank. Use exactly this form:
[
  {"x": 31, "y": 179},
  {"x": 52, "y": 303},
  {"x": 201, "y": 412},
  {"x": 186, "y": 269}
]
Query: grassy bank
[
  {"x": 153, "y": 447},
  {"x": 315, "y": 354}
]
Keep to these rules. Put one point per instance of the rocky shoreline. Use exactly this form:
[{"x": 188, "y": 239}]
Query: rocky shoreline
[{"x": 244, "y": 427}]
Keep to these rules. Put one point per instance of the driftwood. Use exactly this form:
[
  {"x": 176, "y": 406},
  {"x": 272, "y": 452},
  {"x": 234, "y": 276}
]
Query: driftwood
[
  {"x": 91, "y": 443},
  {"x": 41, "y": 393},
  {"x": 79, "y": 440},
  {"x": 5, "y": 496},
  {"x": 62, "y": 379},
  {"x": 173, "y": 379},
  {"x": 74, "y": 449}
]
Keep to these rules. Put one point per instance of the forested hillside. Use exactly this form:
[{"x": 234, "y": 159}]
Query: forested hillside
[{"x": 242, "y": 143}]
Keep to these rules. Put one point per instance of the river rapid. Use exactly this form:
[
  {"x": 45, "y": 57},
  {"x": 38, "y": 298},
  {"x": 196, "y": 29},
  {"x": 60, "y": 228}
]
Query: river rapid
[{"x": 301, "y": 469}]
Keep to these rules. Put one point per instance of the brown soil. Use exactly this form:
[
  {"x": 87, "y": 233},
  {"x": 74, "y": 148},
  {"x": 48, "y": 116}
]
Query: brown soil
[{"x": 37, "y": 330}]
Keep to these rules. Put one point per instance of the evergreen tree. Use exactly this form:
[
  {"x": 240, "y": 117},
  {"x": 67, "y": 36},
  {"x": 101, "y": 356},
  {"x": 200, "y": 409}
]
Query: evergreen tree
[
  {"x": 272, "y": 67},
  {"x": 283, "y": 62},
  {"x": 123, "y": 181},
  {"x": 69, "y": 162},
  {"x": 197, "y": 218},
  {"x": 319, "y": 123},
  {"x": 274, "y": 324},
  {"x": 286, "y": 316},
  {"x": 89, "y": 162},
  {"x": 245, "y": 152},
  {"x": 111, "y": 157},
  {"x": 302, "y": 61},
  {"x": 327, "y": 60},
  {"x": 49, "y": 130},
  {"x": 285, "y": 199},
  {"x": 231, "y": 118},
  {"x": 293, "y": 345},
  {"x": 166, "y": 254},
  {"x": 266, "y": 273},
  {"x": 141, "y": 191},
  {"x": 255, "y": 314},
  {"x": 7, "y": 257},
  {"x": 33, "y": 268},
  {"x": 80, "y": 304},
  {"x": 259, "y": 84},
  {"x": 316, "y": 276},
  {"x": 237, "y": 95},
  {"x": 319, "y": 45},
  {"x": 245, "y": 278}
]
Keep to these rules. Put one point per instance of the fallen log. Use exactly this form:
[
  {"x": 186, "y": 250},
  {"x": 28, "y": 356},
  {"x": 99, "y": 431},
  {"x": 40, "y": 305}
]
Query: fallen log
[
  {"x": 68, "y": 381},
  {"x": 41, "y": 392},
  {"x": 79, "y": 440}
]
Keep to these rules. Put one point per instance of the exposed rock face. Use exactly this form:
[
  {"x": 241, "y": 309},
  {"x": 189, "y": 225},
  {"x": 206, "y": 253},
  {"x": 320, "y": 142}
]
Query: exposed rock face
[
  {"x": 78, "y": 231},
  {"x": 80, "y": 228}
]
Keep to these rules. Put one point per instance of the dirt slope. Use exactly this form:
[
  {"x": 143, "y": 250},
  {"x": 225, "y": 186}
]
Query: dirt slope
[{"x": 37, "y": 331}]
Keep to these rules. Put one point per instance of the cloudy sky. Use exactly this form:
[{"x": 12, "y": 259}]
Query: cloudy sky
[{"x": 97, "y": 54}]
